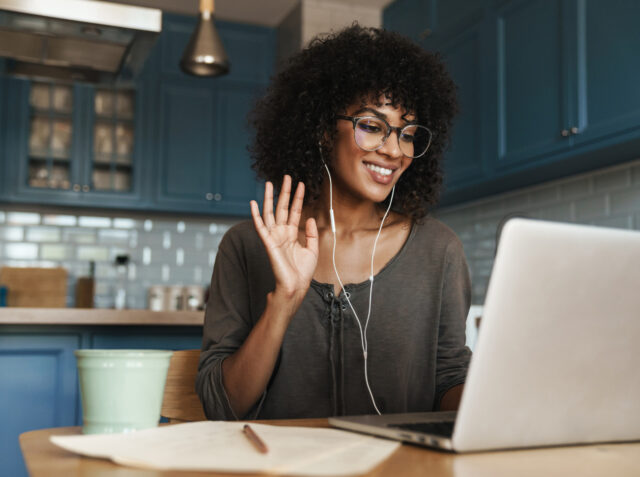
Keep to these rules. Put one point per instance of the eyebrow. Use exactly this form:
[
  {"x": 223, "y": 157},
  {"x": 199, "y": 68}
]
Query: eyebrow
[{"x": 381, "y": 115}]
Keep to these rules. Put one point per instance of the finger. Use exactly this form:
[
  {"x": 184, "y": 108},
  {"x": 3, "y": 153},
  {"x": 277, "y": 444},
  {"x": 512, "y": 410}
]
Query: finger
[
  {"x": 262, "y": 230},
  {"x": 296, "y": 206},
  {"x": 282, "y": 209},
  {"x": 267, "y": 207},
  {"x": 311, "y": 232}
]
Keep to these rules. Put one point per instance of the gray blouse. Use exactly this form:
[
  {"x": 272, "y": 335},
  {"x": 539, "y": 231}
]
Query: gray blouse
[{"x": 416, "y": 333}]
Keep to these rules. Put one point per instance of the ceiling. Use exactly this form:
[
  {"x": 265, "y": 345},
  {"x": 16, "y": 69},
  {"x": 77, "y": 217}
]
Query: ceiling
[{"x": 258, "y": 12}]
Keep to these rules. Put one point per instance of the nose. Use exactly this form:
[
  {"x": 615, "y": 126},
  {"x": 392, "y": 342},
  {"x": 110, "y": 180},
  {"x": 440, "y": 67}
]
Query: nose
[{"x": 391, "y": 146}]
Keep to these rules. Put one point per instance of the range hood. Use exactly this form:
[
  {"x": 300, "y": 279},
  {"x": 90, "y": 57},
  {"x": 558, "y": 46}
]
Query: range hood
[{"x": 76, "y": 40}]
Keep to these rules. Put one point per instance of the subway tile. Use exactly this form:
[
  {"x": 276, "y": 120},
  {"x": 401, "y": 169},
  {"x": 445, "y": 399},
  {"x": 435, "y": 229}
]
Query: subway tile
[
  {"x": 166, "y": 239},
  {"x": 50, "y": 251},
  {"x": 95, "y": 253},
  {"x": 79, "y": 236},
  {"x": 105, "y": 271},
  {"x": 122, "y": 223},
  {"x": 558, "y": 213},
  {"x": 146, "y": 255},
  {"x": 43, "y": 234},
  {"x": 21, "y": 251},
  {"x": 615, "y": 179},
  {"x": 590, "y": 207},
  {"x": 619, "y": 222},
  {"x": 635, "y": 174},
  {"x": 12, "y": 233},
  {"x": 543, "y": 195},
  {"x": 199, "y": 241},
  {"x": 625, "y": 201},
  {"x": 23, "y": 218},
  {"x": 61, "y": 220},
  {"x": 576, "y": 188},
  {"x": 94, "y": 222},
  {"x": 113, "y": 237}
]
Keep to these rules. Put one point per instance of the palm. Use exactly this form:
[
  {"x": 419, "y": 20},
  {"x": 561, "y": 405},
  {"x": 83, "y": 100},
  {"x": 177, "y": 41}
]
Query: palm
[{"x": 293, "y": 264}]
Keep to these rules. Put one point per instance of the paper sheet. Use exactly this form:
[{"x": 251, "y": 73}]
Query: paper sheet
[{"x": 223, "y": 447}]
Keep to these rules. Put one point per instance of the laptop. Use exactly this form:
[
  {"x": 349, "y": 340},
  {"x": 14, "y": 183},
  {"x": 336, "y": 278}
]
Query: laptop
[{"x": 558, "y": 354}]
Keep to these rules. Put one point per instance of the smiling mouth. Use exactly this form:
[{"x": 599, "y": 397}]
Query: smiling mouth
[{"x": 383, "y": 171}]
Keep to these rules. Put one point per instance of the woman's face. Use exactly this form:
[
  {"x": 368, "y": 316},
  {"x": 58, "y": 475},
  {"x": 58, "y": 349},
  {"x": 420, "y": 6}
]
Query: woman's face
[{"x": 369, "y": 175}]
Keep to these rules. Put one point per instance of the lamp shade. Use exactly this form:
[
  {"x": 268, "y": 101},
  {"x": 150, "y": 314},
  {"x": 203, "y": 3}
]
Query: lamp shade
[{"x": 205, "y": 55}]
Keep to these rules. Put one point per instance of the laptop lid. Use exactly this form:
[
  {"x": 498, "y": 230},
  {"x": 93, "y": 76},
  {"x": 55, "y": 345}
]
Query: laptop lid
[{"x": 557, "y": 356}]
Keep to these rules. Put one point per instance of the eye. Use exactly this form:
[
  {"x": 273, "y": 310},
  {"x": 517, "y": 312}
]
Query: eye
[
  {"x": 408, "y": 134},
  {"x": 370, "y": 126}
]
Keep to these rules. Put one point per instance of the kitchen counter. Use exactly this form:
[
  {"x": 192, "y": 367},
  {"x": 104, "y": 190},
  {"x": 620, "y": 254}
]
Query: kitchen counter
[{"x": 96, "y": 316}]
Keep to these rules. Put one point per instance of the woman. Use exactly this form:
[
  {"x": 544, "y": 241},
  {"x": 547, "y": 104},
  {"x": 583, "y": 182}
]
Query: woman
[{"x": 347, "y": 298}]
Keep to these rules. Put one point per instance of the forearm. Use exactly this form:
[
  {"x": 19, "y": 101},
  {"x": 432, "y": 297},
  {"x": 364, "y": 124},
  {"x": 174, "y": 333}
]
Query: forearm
[
  {"x": 451, "y": 399},
  {"x": 246, "y": 373}
]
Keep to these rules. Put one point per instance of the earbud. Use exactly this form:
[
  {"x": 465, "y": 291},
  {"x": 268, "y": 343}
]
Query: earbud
[{"x": 363, "y": 333}]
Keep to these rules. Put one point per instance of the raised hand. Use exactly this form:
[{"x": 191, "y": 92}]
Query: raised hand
[{"x": 293, "y": 264}]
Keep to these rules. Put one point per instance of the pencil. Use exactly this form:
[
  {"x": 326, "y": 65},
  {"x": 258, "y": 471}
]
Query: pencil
[{"x": 255, "y": 440}]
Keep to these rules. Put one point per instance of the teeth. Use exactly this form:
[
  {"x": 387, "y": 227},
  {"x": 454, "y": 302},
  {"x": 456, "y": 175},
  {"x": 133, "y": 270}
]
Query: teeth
[{"x": 380, "y": 170}]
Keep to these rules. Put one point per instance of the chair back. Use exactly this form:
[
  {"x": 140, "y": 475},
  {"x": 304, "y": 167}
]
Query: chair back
[{"x": 180, "y": 402}]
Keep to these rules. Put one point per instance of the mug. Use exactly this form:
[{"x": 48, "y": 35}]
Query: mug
[{"x": 121, "y": 390}]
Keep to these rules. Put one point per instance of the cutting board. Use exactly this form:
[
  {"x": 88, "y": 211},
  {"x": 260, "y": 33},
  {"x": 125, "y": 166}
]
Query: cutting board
[{"x": 35, "y": 287}]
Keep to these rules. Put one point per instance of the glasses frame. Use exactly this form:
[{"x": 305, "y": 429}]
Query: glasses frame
[{"x": 354, "y": 120}]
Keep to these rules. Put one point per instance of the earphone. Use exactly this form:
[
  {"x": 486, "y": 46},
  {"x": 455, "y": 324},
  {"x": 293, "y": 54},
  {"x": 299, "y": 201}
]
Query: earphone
[{"x": 363, "y": 332}]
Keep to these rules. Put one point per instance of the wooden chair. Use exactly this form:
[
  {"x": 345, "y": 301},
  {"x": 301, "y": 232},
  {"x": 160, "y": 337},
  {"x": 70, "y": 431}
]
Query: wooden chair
[{"x": 180, "y": 402}]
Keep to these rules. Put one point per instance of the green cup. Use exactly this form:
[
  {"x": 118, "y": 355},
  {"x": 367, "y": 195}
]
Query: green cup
[{"x": 121, "y": 389}]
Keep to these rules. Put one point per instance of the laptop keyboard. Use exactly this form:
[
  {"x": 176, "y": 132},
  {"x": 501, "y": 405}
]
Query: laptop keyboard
[{"x": 442, "y": 428}]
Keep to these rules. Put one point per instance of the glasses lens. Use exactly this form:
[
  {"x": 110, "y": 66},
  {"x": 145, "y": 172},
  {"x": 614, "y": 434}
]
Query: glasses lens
[
  {"x": 370, "y": 133},
  {"x": 414, "y": 140}
]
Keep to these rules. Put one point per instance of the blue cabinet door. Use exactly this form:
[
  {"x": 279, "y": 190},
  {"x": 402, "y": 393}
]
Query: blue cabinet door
[
  {"x": 607, "y": 47},
  {"x": 38, "y": 389},
  {"x": 464, "y": 161},
  {"x": 187, "y": 139},
  {"x": 236, "y": 183},
  {"x": 79, "y": 189},
  {"x": 532, "y": 83}
]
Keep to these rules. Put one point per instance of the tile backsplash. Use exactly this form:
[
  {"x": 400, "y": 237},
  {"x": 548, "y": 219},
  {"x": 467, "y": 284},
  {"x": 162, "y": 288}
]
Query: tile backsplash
[
  {"x": 163, "y": 250},
  {"x": 608, "y": 197},
  {"x": 173, "y": 250}
]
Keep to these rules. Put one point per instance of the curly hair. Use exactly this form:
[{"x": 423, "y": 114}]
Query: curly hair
[{"x": 297, "y": 115}]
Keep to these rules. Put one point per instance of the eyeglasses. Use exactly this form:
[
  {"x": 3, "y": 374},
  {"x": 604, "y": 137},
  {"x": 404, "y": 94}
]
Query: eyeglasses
[{"x": 371, "y": 133}]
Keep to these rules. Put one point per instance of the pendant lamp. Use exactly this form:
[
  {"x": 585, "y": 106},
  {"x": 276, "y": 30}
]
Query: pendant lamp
[{"x": 204, "y": 55}]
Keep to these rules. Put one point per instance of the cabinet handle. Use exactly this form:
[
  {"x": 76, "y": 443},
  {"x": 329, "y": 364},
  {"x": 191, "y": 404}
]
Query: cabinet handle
[
  {"x": 574, "y": 130},
  {"x": 85, "y": 188},
  {"x": 76, "y": 187},
  {"x": 564, "y": 132},
  {"x": 209, "y": 196},
  {"x": 218, "y": 197}
]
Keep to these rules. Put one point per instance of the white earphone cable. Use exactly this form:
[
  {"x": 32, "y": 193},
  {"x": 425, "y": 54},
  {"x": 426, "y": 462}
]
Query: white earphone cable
[{"x": 363, "y": 333}]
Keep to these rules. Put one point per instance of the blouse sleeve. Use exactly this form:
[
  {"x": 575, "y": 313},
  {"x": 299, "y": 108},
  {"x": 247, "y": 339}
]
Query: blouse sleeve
[
  {"x": 227, "y": 323},
  {"x": 453, "y": 355}
]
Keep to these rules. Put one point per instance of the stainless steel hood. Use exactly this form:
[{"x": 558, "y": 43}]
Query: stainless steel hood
[{"x": 76, "y": 40}]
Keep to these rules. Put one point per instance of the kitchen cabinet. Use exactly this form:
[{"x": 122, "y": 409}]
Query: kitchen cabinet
[
  {"x": 547, "y": 89},
  {"x": 39, "y": 380},
  {"x": 66, "y": 146},
  {"x": 202, "y": 129},
  {"x": 172, "y": 143}
]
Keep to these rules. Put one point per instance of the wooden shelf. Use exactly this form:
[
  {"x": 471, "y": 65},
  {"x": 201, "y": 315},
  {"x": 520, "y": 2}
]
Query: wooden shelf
[{"x": 98, "y": 317}]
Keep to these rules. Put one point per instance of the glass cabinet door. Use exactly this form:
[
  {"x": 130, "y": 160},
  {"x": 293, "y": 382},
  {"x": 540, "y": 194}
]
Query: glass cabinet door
[
  {"x": 50, "y": 136},
  {"x": 113, "y": 133}
]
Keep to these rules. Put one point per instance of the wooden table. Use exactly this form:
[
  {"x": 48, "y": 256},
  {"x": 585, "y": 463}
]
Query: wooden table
[{"x": 43, "y": 459}]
